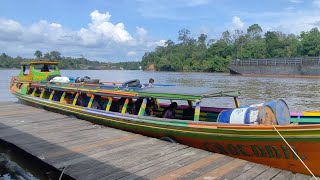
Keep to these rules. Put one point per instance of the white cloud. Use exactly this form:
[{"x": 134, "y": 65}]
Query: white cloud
[
  {"x": 100, "y": 40},
  {"x": 316, "y": 3},
  {"x": 237, "y": 23},
  {"x": 131, "y": 53}
]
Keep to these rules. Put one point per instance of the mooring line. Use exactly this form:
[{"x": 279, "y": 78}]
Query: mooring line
[
  {"x": 295, "y": 153},
  {"x": 62, "y": 172}
]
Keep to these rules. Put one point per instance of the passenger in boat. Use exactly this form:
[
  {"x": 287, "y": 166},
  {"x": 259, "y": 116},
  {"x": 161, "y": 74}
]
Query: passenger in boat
[
  {"x": 67, "y": 99},
  {"x": 97, "y": 103},
  {"x": 45, "y": 68},
  {"x": 170, "y": 111},
  {"x": 188, "y": 113},
  {"x": 150, "y": 110},
  {"x": 151, "y": 82},
  {"x": 137, "y": 105}
]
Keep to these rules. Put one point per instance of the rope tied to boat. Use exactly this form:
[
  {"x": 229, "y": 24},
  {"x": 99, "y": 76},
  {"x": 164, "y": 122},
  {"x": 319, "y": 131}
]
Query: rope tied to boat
[{"x": 295, "y": 153}]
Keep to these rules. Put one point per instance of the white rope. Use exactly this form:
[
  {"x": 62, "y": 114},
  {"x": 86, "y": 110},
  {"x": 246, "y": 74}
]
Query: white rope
[
  {"x": 62, "y": 173},
  {"x": 295, "y": 153}
]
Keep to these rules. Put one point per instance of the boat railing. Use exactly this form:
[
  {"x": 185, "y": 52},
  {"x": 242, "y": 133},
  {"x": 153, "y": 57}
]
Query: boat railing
[{"x": 278, "y": 61}]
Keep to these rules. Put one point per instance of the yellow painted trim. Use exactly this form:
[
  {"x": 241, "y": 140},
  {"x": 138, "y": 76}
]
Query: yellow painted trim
[
  {"x": 75, "y": 99},
  {"x": 62, "y": 97},
  {"x": 34, "y": 91},
  {"x": 51, "y": 95}
]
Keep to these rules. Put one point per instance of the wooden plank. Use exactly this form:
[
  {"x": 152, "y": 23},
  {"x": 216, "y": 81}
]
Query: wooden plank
[
  {"x": 268, "y": 174},
  {"x": 215, "y": 164},
  {"x": 300, "y": 177},
  {"x": 191, "y": 167},
  {"x": 132, "y": 170},
  {"x": 253, "y": 172},
  {"x": 199, "y": 154},
  {"x": 122, "y": 160},
  {"x": 222, "y": 170},
  {"x": 238, "y": 171},
  {"x": 282, "y": 175}
]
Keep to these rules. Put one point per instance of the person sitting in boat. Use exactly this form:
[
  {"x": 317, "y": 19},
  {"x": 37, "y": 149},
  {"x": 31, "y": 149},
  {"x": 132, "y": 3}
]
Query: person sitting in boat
[
  {"x": 188, "y": 113},
  {"x": 150, "y": 107},
  {"x": 151, "y": 82},
  {"x": 170, "y": 111},
  {"x": 45, "y": 68}
]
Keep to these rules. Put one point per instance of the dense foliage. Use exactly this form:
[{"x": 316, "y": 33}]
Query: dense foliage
[
  {"x": 212, "y": 55},
  {"x": 67, "y": 62}
]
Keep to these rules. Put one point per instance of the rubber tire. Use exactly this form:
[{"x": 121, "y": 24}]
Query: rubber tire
[
  {"x": 168, "y": 139},
  {"x": 132, "y": 83}
]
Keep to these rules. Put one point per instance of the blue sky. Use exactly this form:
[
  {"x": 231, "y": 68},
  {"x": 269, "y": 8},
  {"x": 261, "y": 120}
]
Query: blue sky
[{"x": 123, "y": 30}]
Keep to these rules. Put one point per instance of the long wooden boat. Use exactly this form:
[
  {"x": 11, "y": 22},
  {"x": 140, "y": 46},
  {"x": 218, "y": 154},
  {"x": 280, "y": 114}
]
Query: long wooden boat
[{"x": 109, "y": 104}]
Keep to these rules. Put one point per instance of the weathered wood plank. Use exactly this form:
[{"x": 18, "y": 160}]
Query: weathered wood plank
[
  {"x": 268, "y": 174},
  {"x": 300, "y": 177},
  {"x": 222, "y": 170},
  {"x": 253, "y": 172},
  {"x": 238, "y": 171},
  {"x": 282, "y": 175}
]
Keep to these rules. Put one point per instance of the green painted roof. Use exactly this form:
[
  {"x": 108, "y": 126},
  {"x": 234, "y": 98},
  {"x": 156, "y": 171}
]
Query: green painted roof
[{"x": 186, "y": 93}]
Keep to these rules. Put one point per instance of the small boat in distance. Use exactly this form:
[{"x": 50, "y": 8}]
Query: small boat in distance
[{"x": 258, "y": 133}]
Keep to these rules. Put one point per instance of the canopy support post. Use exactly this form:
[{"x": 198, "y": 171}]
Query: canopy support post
[
  {"x": 51, "y": 95},
  {"x": 197, "y": 111},
  {"x": 142, "y": 109},
  {"x": 109, "y": 104},
  {"x": 124, "y": 108},
  {"x": 75, "y": 99},
  {"x": 34, "y": 91},
  {"x": 91, "y": 101},
  {"x": 236, "y": 102},
  {"x": 62, "y": 97}
]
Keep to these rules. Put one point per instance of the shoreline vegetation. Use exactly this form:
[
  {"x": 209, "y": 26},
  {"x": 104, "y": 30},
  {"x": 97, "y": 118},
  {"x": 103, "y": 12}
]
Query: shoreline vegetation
[
  {"x": 214, "y": 55},
  {"x": 197, "y": 55}
]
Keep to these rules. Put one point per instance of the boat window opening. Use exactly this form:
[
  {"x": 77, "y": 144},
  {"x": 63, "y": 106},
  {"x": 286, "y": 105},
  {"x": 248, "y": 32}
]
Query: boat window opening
[
  {"x": 46, "y": 94},
  {"x": 36, "y": 92},
  {"x": 57, "y": 95},
  {"x": 44, "y": 67},
  {"x": 25, "y": 70},
  {"x": 115, "y": 106},
  {"x": 67, "y": 99},
  {"x": 30, "y": 90},
  {"x": 98, "y": 102},
  {"x": 83, "y": 100}
]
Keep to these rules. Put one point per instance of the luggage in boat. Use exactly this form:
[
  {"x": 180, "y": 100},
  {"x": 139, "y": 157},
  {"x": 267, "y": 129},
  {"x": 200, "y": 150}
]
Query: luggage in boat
[
  {"x": 270, "y": 113},
  {"x": 60, "y": 80}
]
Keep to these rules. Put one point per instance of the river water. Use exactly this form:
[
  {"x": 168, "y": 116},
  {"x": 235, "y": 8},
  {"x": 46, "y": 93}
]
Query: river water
[{"x": 299, "y": 93}]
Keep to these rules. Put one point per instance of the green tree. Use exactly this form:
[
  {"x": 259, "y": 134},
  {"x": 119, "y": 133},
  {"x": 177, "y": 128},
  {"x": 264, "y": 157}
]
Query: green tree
[{"x": 38, "y": 54}]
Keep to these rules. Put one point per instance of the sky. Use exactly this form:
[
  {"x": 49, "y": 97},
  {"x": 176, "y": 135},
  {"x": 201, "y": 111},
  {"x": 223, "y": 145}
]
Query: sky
[{"x": 124, "y": 30}]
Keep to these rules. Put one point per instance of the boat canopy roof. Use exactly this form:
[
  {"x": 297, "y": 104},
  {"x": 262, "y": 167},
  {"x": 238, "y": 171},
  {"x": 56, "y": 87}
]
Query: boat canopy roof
[
  {"x": 40, "y": 62},
  {"x": 169, "y": 92},
  {"x": 186, "y": 93}
]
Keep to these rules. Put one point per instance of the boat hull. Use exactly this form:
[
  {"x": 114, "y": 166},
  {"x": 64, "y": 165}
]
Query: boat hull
[{"x": 259, "y": 144}]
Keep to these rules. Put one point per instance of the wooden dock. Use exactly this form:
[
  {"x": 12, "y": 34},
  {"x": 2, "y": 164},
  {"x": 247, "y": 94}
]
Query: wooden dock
[{"x": 88, "y": 151}]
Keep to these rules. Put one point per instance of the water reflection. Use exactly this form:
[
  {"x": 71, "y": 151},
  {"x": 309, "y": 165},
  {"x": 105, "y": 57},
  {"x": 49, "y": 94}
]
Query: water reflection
[{"x": 300, "y": 94}]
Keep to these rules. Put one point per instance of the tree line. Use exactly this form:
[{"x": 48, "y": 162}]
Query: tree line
[
  {"x": 7, "y": 61},
  {"x": 214, "y": 55}
]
